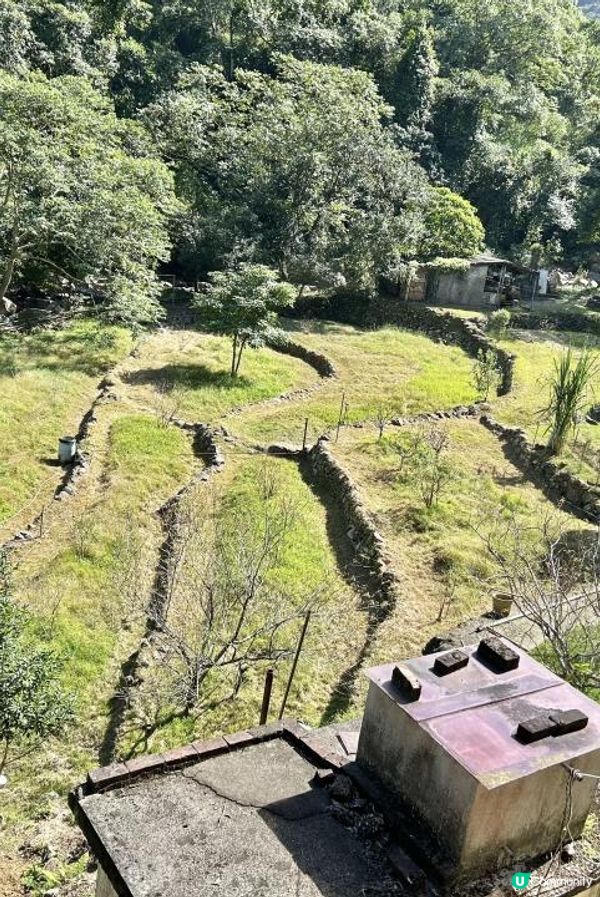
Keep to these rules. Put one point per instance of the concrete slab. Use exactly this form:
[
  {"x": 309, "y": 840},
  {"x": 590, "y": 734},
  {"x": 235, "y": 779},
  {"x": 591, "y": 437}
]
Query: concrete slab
[{"x": 247, "y": 823}]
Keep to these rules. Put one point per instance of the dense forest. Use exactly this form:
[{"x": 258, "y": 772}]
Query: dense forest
[{"x": 334, "y": 140}]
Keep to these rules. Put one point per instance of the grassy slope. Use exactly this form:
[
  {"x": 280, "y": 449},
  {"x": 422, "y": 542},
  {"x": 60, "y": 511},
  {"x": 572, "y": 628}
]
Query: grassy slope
[
  {"x": 533, "y": 371},
  {"x": 405, "y": 372},
  {"x": 47, "y": 381},
  {"x": 188, "y": 373},
  {"x": 101, "y": 546},
  {"x": 307, "y": 564},
  {"x": 439, "y": 550},
  {"x": 76, "y": 578},
  {"x": 78, "y": 584}
]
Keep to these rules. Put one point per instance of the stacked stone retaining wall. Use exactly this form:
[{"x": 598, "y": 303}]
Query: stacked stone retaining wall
[
  {"x": 368, "y": 543},
  {"x": 558, "y": 483}
]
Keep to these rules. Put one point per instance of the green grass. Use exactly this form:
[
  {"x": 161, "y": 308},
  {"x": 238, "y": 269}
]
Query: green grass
[
  {"x": 91, "y": 576},
  {"x": 402, "y": 371},
  {"x": 187, "y": 373},
  {"x": 305, "y": 564},
  {"x": 47, "y": 381},
  {"x": 533, "y": 371},
  {"x": 145, "y": 464},
  {"x": 441, "y": 553}
]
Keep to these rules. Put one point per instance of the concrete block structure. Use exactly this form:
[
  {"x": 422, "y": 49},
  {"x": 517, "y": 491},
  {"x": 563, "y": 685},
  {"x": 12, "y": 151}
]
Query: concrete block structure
[{"x": 451, "y": 741}]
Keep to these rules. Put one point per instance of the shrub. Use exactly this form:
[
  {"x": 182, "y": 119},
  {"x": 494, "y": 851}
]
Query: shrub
[
  {"x": 486, "y": 373},
  {"x": 498, "y": 322}
]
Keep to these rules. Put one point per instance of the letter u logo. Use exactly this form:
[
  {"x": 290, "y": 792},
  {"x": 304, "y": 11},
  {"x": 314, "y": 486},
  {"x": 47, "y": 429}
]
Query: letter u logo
[{"x": 520, "y": 880}]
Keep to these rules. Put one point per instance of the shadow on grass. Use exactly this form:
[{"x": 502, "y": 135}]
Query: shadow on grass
[
  {"x": 193, "y": 376},
  {"x": 360, "y": 578}
]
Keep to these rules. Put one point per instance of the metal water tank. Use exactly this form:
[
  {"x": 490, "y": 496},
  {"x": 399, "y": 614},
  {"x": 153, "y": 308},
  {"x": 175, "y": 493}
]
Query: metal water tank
[{"x": 67, "y": 449}]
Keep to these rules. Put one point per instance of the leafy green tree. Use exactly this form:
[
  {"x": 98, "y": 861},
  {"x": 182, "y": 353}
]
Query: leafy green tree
[
  {"x": 296, "y": 172},
  {"x": 244, "y": 303},
  {"x": 33, "y": 703},
  {"x": 452, "y": 227},
  {"x": 83, "y": 199}
]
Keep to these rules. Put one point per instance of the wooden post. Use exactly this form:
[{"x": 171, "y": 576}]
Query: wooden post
[
  {"x": 266, "y": 701},
  {"x": 294, "y": 664},
  {"x": 305, "y": 437},
  {"x": 341, "y": 415},
  {"x": 42, "y": 522}
]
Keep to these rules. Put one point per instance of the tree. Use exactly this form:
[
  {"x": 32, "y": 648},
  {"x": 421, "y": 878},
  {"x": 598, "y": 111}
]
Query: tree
[
  {"x": 552, "y": 575},
  {"x": 33, "y": 703},
  {"x": 568, "y": 393},
  {"x": 423, "y": 456},
  {"x": 83, "y": 200},
  {"x": 243, "y": 303},
  {"x": 452, "y": 227},
  {"x": 296, "y": 171},
  {"x": 486, "y": 373}
]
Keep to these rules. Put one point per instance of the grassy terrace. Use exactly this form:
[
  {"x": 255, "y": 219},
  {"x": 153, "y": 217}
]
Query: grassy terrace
[
  {"x": 400, "y": 371},
  {"x": 440, "y": 553},
  {"x": 187, "y": 373},
  {"x": 47, "y": 381},
  {"x": 88, "y": 580},
  {"x": 307, "y": 568},
  {"x": 534, "y": 366},
  {"x": 82, "y": 580}
]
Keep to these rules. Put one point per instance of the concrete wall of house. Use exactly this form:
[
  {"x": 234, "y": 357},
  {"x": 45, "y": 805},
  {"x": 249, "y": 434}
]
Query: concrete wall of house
[
  {"x": 103, "y": 885},
  {"x": 461, "y": 289}
]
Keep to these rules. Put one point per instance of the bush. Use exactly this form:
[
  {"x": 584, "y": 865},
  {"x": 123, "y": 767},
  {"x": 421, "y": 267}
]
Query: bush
[
  {"x": 486, "y": 373},
  {"x": 498, "y": 322}
]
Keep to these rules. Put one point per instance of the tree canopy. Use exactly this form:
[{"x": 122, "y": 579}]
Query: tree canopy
[
  {"x": 298, "y": 172},
  {"x": 316, "y": 137},
  {"x": 244, "y": 303},
  {"x": 85, "y": 201}
]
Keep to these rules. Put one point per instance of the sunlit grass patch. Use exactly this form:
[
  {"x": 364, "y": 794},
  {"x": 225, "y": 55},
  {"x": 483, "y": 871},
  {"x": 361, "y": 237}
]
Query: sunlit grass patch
[
  {"x": 405, "y": 372},
  {"x": 256, "y": 492},
  {"x": 47, "y": 381},
  {"x": 187, "y": 374},
  {"x": 440, "y": 553},
  {"x": 534, "y": 369}
]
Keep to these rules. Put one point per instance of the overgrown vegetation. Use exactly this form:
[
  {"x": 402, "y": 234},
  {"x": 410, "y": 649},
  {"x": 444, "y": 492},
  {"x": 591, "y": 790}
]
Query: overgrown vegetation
[
  {"x": 386, "y": 133},
  {"x": 568, "y": 393},
  {"x": 33, "y": 704},
  {"x": 486, "y": 373}
]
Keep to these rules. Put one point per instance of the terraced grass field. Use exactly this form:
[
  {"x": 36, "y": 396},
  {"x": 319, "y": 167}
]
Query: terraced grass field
[
  {"x": 47, "y": 380},
  {"x": 389, "y": 369},
  {"x": 440, "y": 554},
  {"x": 535, "y": 359},
  {"x": 89, "y": 578}
]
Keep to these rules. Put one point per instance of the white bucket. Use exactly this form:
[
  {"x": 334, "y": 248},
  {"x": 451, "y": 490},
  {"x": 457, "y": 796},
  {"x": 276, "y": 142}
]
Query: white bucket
[{"x": 67, "y": 449}]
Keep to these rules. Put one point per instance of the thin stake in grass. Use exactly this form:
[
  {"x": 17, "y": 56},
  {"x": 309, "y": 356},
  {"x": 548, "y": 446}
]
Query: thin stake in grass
[{"x": 568, "y": 392}]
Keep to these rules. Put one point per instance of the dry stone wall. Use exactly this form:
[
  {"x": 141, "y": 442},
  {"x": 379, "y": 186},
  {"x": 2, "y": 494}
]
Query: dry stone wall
[
  {"x": 322, "y": 365},
  {"x": 368, "y": 543},
  {"x": 562, "y": 321},
  {"x": 558, "y": 483}
]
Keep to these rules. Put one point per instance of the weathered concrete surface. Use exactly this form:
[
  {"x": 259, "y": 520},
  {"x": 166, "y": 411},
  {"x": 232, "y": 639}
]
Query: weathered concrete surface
[
  {"x": 453, "y": 760},
  {"x": 245, "y": 823}
]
